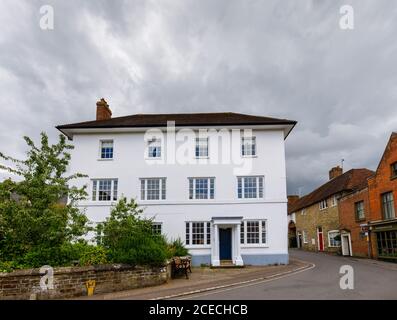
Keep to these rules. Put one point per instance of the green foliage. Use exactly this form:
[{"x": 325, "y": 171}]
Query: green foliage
[
  {"x": 34, "y": 223},
  {"x": 178, "y": 249},
  {"x": 129, "y": 237},
  {"x": 94, "y": 255}
]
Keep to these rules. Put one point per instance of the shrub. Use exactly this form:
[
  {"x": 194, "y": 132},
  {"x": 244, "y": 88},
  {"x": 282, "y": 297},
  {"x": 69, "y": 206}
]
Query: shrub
[
  {"x": 177, "y": 248},
  {"x": 93, "y": 255},
  {"x": 129, "y": 238}
]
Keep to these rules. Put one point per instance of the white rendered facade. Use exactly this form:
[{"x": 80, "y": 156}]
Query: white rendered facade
[{"x": 203, "y": 224}]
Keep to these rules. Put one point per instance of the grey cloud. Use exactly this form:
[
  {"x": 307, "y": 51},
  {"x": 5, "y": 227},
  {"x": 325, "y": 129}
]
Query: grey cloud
[{"x": 279, "y": 58}]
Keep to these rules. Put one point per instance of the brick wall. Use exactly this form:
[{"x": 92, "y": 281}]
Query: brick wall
[
  {"x": 348, "y": 221},
  {"x": 328, "y": 219},
  {"x": 71, "y": 281}
]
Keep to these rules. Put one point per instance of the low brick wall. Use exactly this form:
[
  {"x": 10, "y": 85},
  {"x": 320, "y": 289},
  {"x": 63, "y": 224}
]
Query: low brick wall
[{"x": 71, "y": 281}]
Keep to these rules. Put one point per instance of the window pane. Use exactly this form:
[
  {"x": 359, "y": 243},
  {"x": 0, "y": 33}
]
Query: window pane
[
  {"x": 260, "y": 187},
  {"x": 115, "y": 187},
  {"x": 388, "y": 205},
  {"x": 143, "y": 189},
  {"x": 201, "y": 147},
  {"x": 242, "y": 233},
  {"x": 163, "y": 189},
  {"x": 94, "y": 183},
  {"x": 248, "y": 147},
  {"x": 153, "y": 189},
  {"x": 250, "y": 187},
  {"x": 208, "y": 233},
  {"x": 156, "y": 228},
  {"x": 198, "y": 233},
  {"x": 201, "y": 188},
  {"x": 252, "y": 231},
  {"x": 187, "y": 240},
  {"x": 106, "y": 149},
  {"x": 212, "y": 188},
  {"x": 154, "y": 148},
  {"x": 263, "y": 231},
  {"x": 239, "y": 188},
  {"x": 190, "y": 188},
  {"x": 104, "y": 190}
]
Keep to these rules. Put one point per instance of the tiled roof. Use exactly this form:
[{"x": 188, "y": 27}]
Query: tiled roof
[
  {"x": 181, "y": 119},
  {"x": 354, "y": 179}
]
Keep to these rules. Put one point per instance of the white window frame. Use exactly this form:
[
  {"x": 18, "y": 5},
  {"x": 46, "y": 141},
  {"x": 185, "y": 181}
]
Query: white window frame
[
  {"x": 329, "y": 239},
  {"x": 303, "y": 212},
  {"x": 101, "y": 142},
  {"x": 304, "y": 236},
  {"x": 198, "y": 147},
  {"x": 334, "y": 201},
  {"x": 193, "y": 179},
  {"x": 258, "y": 193},
  {"x": 243, "y": 229},
  {"x": 162, "y": 183},
  {"x": 253, "y": 146},
  {"x": 96, "y": 188},
  {"x": 158, "y": 144},
  {"x": 205, "y": 234},
  {"x": 321, "y": 204},
  {"x": 157, "y": 224}
]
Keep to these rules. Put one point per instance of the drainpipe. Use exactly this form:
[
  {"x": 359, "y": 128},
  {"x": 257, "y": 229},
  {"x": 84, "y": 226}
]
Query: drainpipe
[{"x": 369, "y": 241}]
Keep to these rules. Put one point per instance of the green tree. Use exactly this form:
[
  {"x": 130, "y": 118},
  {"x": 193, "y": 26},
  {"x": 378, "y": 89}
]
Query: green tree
[
  {"x": 129, "y": 238},
  {"x": 33, "y": 216}
]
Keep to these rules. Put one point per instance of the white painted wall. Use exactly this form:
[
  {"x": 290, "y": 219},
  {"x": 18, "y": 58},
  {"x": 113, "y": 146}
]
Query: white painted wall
[{"x": 129, "y": 164}]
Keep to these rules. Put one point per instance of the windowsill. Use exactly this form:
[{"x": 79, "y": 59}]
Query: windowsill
[
  {"x": 360, "y": 220},
  {"x": 254, "y": 156},
  {"x": 153, "y": 158},
  {"x": 334, "y": 246},
  {"x": 250, "y": 199},
  {"x": 254, "y": 245},
  {"x": 198, "y": 246},
  {"x": 198, "y": 158},
  {"x": 105, "y": 159},
  {"x": 393, "y": 177}
]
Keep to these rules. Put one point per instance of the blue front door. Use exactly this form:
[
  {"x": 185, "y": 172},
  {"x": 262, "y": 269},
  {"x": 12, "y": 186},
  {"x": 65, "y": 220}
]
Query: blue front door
[{"x": 225, "y": 244}]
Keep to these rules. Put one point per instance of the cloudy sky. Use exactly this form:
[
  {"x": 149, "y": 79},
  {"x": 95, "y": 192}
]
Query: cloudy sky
[{"x": 287, "y": 59}]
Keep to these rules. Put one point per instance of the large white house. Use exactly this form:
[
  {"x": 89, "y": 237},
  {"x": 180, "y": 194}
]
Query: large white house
[{"x": 215, "y": 180}]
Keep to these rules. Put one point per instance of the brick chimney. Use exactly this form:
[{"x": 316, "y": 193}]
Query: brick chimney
[
  {"x": 103, "y": 111},
  {"x": 335, "y": 172}
]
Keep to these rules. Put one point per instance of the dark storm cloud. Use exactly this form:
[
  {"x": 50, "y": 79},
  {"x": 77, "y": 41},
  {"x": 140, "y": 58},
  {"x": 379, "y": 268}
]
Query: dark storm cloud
[{"x": 285, "y": 59}]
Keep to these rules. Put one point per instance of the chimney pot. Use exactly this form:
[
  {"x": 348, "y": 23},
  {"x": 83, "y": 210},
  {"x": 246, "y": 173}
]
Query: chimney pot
[
  {"x": 335, "y": 172},
  {"x": 103, "y": 111}
]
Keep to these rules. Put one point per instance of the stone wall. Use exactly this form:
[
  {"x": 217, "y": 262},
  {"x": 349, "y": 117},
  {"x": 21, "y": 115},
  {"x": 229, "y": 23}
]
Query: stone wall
[
  {"x": 71, "y": 281},
  {"x": 311, "y": 219}
]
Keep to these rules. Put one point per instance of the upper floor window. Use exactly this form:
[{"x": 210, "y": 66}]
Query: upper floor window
[
  {"x": 198, "y": 233},
  {"x": 104, "y": 189},
  {"x": 201, "y": 147},
  {"x": 334, "y": 201},
  {"x": 323, "y": 204},
  {"x": 394, "y": 170},
  {"x": 201, "y": 188},
  {"x": 388, "y": 205},
  {"x": 248, "y": 146},
  {"x": 304, "y": 236},
  {"x": 154, "y": 148},
  {"x": 303, "y": 212},
  {"x": 153, "y": 189},
  {"x": 359, "y": 209},
  {"x": 253, "y": 232},
  {"x": 250, "y": 187},
  {"x": 107, "y": 149}
]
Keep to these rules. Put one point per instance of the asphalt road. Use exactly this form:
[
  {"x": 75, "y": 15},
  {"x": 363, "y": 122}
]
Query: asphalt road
[{"x": 372, "y": 280}]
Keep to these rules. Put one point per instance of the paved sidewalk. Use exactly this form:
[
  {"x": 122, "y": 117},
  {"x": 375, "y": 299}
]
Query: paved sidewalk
[{"x": 203, "y": 279}]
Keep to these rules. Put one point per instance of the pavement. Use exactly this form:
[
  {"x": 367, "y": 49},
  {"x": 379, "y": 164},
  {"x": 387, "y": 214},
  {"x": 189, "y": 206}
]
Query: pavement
[
  {"x": 206, "y": 279},
  {"x": 372, "y": 279}
]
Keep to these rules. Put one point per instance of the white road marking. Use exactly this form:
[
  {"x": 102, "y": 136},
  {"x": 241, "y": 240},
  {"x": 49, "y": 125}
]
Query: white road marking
[{"x": 237, "y": 285}]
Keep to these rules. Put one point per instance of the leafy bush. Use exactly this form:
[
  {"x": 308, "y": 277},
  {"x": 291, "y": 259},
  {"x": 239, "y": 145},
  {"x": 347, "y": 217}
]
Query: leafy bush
[
  {"x": 177, "y": 248},
  {"x": 8, "y": 266},
  {"x": 93, "y": 255},
  {"x": 129, "y": 238}
]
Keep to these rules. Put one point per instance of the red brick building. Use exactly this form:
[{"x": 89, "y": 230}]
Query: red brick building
[
  {"x": 382, "y": 188},
  {"x": 354, "y": 216}
]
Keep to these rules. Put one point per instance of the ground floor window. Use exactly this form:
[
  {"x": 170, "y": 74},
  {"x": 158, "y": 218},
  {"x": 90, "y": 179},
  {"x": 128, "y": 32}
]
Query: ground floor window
[
  {"x": 198, "y": 233},
  {"x": 156, "y": 227},
  {"x": 334, "y": 239},
  {"x": 253, "y": 232},
  {"x": 304, "y": 236},
  {"x": 387, "y": 243}
]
